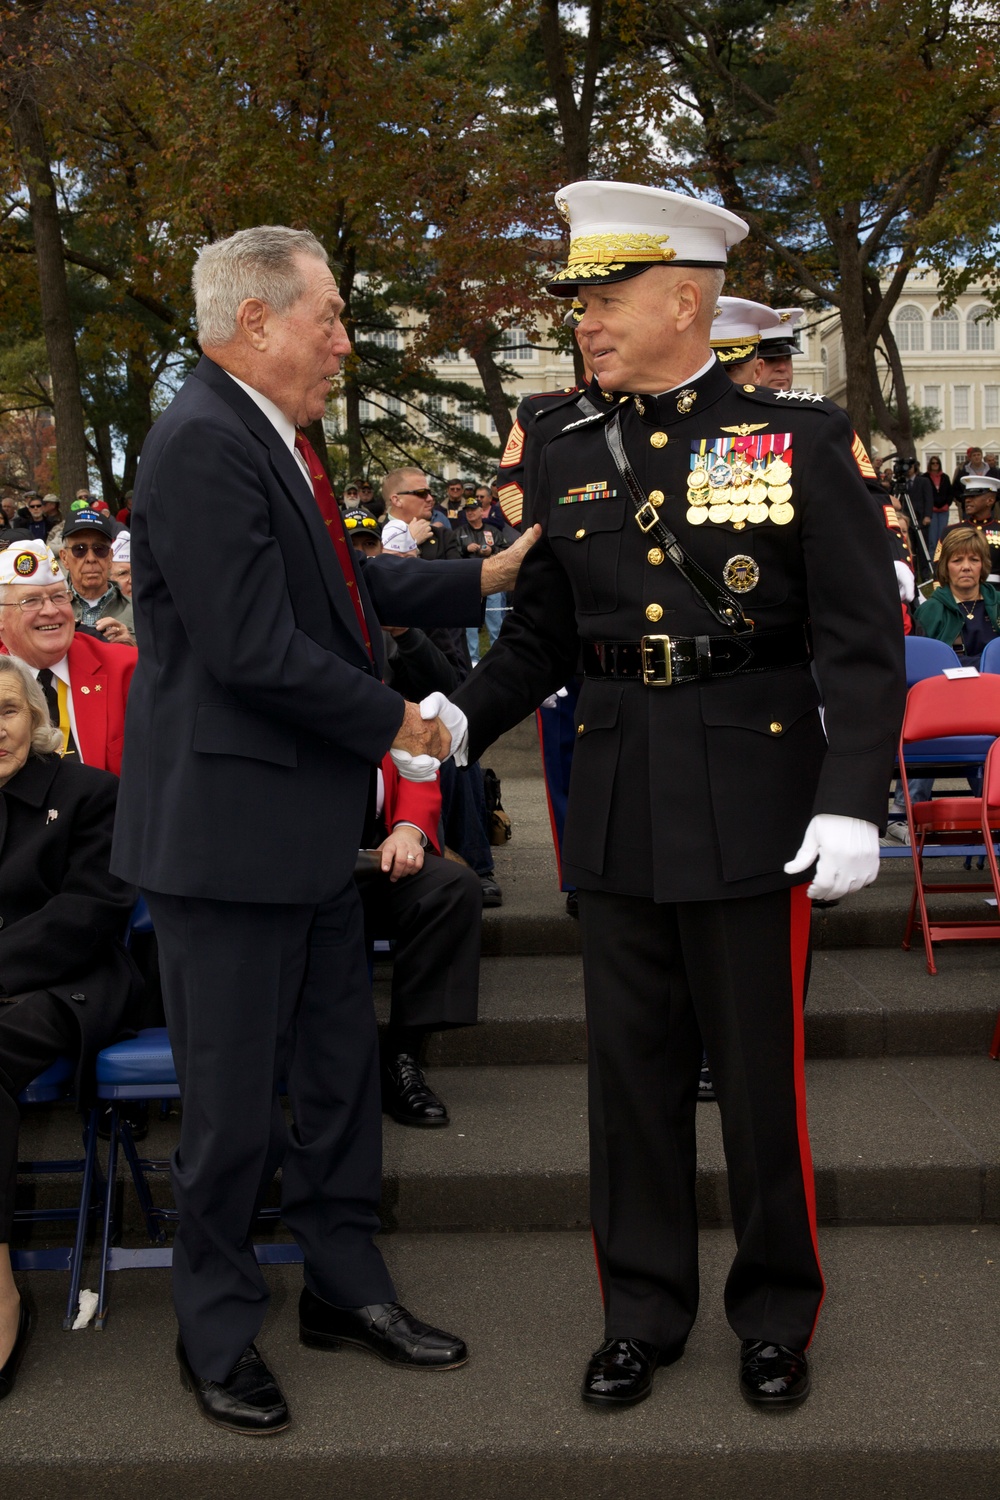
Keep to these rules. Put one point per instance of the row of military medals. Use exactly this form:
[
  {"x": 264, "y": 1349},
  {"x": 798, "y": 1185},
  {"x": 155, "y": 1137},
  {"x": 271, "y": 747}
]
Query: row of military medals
[{"x": 740, "y": 492}]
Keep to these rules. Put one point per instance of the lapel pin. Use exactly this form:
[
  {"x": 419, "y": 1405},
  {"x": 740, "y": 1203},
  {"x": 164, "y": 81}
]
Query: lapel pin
[{"x": 53, "y": 814}]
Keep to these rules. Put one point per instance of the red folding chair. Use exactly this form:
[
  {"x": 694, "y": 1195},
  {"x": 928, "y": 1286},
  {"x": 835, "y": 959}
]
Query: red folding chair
[
  {"x": 991, "y": 820},
  {"x": 937, "y": 709}
]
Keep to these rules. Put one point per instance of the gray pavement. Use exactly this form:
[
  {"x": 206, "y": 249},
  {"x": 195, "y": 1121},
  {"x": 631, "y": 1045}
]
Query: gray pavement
[{"x": 906, "y": 1389}]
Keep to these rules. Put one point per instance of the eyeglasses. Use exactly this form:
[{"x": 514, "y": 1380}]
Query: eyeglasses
[
  {"x": 368, "y": 522},
  {"x": 36, "y": 602},
  {"x": 34, "y": 504},
  {"x": 420, "y": 494},
  {"x": 96, "y": 549}
]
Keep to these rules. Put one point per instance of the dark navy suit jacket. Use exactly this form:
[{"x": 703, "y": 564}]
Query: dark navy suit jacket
[{"x": 255, "y": 715}]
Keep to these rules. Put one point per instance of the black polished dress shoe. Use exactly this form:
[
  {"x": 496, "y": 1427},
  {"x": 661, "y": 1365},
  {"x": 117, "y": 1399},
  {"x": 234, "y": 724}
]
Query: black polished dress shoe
[
  {"x": 406, "y": 1095},
  {"x": 8, "y": 1374},
  {"x": 384, "y": 1328},
  {"x": 620, "y": 1372},
  {"x": 492, "y": 894},
  {"x": 248, "y": 1401},
  {"x": 771, "y": 1375}
]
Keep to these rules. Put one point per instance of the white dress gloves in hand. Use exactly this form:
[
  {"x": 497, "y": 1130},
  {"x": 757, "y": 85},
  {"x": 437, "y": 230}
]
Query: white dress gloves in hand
[
  {"x": 426, "y": 767},
  {"x": 846, "y": 854},
  {"x": 905, "y": 580}
]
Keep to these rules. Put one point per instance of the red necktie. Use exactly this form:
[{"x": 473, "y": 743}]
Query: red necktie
[{"x": 323, "y": 492}]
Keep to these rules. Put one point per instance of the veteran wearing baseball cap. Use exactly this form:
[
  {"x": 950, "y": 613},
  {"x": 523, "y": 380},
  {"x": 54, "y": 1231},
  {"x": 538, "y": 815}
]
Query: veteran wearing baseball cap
[
  {"x": 86, "y": 553},
  {"x": 696, "y": 535}
]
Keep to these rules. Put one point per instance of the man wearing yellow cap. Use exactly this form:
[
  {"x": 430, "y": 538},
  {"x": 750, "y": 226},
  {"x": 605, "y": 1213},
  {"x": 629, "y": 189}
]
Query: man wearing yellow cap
[{"x": 696, "y": 538}]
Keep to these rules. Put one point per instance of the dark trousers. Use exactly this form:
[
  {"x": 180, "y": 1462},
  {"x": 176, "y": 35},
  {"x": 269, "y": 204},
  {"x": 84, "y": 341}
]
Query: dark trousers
[
  {"x": 255, "y": 994},
  {"x": 658, "y": 979},
  {"x": 35, "y": 1029},
  {"x": 557, "y": 737},
  {"x": 463, "y": 815},
  {"x": 436, "y": 918}
]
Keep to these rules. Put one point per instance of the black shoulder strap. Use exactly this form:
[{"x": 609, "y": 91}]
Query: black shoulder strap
[{"x": 712, "y": 593}]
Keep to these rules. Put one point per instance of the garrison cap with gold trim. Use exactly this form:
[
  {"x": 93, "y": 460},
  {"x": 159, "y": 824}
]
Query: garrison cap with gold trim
[
  {"x": 620, "y": 229},
  {"x": 783, "y": 341},
  {"x": 29, "y": 562},
  {"x": 738, "y": 327}
]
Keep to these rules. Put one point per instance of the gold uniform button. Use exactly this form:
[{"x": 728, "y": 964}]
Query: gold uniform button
[
  {"x": 749, "y": 388},
  {"x": 581, "y": 534},
  {"x": 654, "y": 556},
  {"x": 656, "y": 497},
  {"x": 654, "y": 612},
  {"x": 579, "y": 729},
  {"x": 776, "y": 728},
  {"x": 658, "y": 439}
]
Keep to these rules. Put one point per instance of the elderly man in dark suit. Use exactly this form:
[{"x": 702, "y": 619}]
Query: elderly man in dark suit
[{"x": 256, "y": 720}]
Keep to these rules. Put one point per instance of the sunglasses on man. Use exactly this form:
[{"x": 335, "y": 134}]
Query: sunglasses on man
[
  {"x": 96, "y": 549},
  {"x": 420, "y": 494}
]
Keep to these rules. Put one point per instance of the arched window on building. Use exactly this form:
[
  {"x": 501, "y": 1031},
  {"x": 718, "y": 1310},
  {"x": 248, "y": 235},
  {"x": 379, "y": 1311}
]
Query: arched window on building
[
  {"x": 944, "y": 330},
  {"x": 979, "y": 329},
  {"x": 909, "y": 329}
]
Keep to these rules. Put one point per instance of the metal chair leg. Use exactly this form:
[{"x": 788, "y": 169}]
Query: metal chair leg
[
  {"x": 106, "y": 1224},
  {"x": 83, "y": 1217}
]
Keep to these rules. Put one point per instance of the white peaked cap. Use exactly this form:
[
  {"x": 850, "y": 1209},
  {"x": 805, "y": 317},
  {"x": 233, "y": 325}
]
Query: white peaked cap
[
  {"x": 790, "y": 318},
  {"x": 29, "y": 562},
  {"x": 739, "y": 321},
  {"x": 975, "y": 482},
  {"x": 620, "y": 229}
]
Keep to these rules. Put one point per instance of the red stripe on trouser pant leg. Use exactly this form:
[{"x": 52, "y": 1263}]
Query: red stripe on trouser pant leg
[
  {"x": 801, "y": 911},
  {"x": 597, "y": 1263}
]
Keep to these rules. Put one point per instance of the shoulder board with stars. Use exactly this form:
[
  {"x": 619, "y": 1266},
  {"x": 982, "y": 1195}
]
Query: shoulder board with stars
[{"x": 767, "y": 397}]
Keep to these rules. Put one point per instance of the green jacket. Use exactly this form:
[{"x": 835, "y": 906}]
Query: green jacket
[{"x": 941, "y": 618}]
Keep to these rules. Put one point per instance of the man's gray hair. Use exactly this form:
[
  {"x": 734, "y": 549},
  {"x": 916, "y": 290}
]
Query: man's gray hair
[
  {"x": 251, "y": 263},
  {"x": 44, "y": 737}
]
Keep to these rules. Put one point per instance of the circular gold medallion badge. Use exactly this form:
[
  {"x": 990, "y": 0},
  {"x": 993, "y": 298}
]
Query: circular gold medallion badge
[{"x": 741, "y": 574}]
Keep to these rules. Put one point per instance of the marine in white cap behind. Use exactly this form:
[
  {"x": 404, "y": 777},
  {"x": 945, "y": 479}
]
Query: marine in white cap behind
[{"x": 697, "y": 539}]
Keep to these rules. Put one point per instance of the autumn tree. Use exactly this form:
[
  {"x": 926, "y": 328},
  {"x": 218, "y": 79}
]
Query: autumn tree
[{"x": 849, "y": 134}]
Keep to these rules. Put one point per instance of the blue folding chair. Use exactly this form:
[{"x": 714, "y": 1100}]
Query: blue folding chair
[
  {"x": 925, "y": 658},
  {"x": 990, "y": 659}
]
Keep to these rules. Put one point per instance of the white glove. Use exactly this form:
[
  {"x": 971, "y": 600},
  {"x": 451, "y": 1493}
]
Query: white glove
[
  {"x": 552, "y": 701},
  {"x": 415, "y": 767},
  {"x": 437, "y": 706},
  {"x": 846, "y": 855},
  {"x": 904, "y": 579}
]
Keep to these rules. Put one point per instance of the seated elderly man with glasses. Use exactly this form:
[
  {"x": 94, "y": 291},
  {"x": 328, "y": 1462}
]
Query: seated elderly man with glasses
[
  {"x": 85, "y": 681},
  {"x": 85, "y": 554}
]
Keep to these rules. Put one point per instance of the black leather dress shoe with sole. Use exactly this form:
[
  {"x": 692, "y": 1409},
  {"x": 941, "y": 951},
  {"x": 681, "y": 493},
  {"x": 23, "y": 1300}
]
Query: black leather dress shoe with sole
[
  {"x": 772, "y": 1376},
  {"x": 248, "y": 1401},
  {"x": 383, "y": 1328},
  {"x": 620, "y": 1372},
  {"x": 406, "y": 1095},
  {"x": 8, "y": 1375}
]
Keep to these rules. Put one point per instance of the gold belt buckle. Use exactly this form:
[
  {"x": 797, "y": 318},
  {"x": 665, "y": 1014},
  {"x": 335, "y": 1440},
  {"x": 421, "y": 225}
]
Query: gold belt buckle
[
  {"x": 649, "y": 669},
  {"x": 641, "y": 515}
]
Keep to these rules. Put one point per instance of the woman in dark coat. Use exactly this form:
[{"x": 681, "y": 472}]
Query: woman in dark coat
[
  {"x": 66, "y": 981},
  {"x": 931, "y": 500}
]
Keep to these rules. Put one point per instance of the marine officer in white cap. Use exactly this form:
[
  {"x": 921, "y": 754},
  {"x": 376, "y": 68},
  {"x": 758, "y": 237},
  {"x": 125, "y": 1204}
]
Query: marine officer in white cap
[
  {"x": 777, "y": 348},
  {"x": 737, "y": 329},
  {"x": 696, "y": 535}
]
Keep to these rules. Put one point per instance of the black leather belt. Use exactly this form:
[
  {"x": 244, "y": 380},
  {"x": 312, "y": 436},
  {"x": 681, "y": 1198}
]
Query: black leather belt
[{"x": 670, "y": 660}]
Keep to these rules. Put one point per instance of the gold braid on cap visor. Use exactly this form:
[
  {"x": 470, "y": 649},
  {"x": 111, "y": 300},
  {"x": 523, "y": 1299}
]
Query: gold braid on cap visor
[
  {"x": 600, "y": 254},
  {"x": 734, "y": 354}
]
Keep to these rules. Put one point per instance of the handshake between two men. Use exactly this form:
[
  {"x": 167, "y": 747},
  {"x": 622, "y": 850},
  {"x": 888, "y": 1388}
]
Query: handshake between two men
[{"x": 422, "y": 743}]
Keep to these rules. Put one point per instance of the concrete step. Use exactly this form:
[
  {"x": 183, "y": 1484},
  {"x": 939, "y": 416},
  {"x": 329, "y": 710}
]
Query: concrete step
[
  {"x": 906, "y": 1388},
  {"x": 533, "y": 917},
  {"x": 895, "y": 1140},
  {"x": 865, "y": 1002}
]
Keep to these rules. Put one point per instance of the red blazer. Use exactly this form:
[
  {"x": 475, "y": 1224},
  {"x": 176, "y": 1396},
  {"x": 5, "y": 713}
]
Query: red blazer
[
  {"x": 417, "y": 802},
  {"x": 99, "y": 675}
]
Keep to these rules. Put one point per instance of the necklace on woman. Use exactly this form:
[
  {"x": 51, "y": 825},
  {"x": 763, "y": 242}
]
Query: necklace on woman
[{"x": 970, "y": 614}]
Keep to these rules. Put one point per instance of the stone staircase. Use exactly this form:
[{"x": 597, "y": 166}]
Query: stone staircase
[{"x": 487, "y": 1234}]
